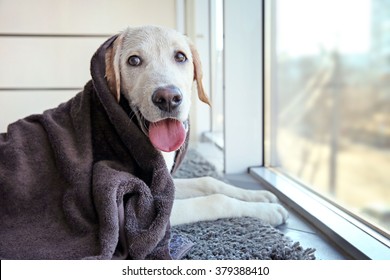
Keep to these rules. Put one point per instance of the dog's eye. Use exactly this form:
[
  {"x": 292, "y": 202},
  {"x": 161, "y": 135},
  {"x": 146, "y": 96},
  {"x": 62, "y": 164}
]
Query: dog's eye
[
  {"x": 180, "y": 57},
  {"x": 135, "y": 60}
]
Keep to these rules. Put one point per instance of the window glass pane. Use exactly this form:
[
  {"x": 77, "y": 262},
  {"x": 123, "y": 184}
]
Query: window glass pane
[
  {"x": 217, "y": 68},
  {"x": 216, "y": 135},
  {"x": 331, "y": 100}
]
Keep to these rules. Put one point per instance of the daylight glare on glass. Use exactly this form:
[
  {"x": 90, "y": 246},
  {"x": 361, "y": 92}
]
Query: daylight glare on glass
[{"x": 331, "y": 103}]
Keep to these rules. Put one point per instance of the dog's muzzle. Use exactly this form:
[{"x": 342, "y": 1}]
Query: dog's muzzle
[{"x": 168, "y": 134}]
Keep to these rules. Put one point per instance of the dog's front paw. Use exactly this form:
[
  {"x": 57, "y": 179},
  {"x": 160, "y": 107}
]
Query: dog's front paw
[
  {"x": 274, "y": 214},
  {"x": 264, "y": 196},
  {"x": 281, "y": 215},
  {"x": 259, "y": 196}
]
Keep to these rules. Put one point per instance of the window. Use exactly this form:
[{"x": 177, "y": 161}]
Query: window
[
  {"x": 268, "y": 72},
  {"x": 216, "y": 56},
  {"x": 330, "y": 101},
  {"x": 306, "y": 108}
]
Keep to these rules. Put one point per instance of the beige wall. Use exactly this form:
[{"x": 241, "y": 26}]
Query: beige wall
[
  {"x": 82, "y": 16},
  {"x": 51, "y": 69}
]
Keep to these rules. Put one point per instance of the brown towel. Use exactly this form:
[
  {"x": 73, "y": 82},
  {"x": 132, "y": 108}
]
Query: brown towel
[{"x": 83, "y": 181}]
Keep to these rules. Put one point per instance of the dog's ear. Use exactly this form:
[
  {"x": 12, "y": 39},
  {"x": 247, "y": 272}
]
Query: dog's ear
[
  {"x": 198, "y": 75},
  {"x": 113, "y": 76}
]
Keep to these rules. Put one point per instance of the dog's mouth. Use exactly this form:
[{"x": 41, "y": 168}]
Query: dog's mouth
[{"x": 166, "y": 135}]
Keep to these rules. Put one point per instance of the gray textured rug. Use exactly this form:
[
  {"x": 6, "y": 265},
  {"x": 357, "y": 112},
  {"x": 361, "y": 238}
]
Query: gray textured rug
[{"x": 234, "y": 238}]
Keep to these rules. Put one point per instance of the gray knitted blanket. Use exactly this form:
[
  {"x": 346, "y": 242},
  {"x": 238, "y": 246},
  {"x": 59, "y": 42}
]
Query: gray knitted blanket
[{"x": 234, "y": 238}]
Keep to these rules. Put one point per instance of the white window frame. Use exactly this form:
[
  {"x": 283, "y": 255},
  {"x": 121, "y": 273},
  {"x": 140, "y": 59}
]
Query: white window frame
[
  {"x": 243, "y": 72},
  {"x": 245, "y": 90}
]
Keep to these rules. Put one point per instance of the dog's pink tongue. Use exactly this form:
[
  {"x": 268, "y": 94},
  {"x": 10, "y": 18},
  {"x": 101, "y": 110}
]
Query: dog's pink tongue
[{"x": 167, "y": 135}]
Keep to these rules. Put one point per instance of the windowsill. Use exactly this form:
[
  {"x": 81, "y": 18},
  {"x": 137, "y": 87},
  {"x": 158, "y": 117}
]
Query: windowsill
[
  {"x": 353, "y": 237},
  {"x": 297, "y": 228},
  {"x": 214, "y": 137}
]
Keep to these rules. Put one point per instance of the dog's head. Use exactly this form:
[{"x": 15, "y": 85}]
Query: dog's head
[{"x": 155, "y": 69}]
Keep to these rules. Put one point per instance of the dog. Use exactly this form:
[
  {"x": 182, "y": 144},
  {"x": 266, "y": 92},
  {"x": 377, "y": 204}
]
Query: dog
[{"x": 156, "y": 70}]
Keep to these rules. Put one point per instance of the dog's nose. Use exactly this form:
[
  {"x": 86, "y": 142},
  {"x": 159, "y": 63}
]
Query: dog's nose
[{"x": 167, "y": 98}]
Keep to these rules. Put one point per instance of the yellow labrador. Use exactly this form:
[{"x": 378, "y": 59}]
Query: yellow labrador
[{"x": 155, "y": 69}]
